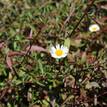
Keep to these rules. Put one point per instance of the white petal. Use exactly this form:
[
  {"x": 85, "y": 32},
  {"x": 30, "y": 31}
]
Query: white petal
[
  {"x": 65, "y": 49},
  {"x": 55, "y": 56},
  {"x": 58, "y": 46},
  {"x": 62, "y": 47},
  {"x": 94, "y": 26},
  {"x": 52, "y": 50},
  {"x": 65, "y": 53}
]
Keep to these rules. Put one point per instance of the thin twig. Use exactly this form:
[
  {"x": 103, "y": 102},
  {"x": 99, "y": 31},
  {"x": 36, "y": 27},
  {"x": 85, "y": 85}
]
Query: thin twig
[
  {"x": 85, "y": 13},
  {"x": 31, "y": 43},
  {"x": 82, "y": 17}
]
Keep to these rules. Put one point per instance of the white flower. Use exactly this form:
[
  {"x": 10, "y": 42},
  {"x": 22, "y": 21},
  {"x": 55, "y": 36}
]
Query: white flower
[
  {"x": 94, "y": 28},
  {"x": 59, "y": 52}
]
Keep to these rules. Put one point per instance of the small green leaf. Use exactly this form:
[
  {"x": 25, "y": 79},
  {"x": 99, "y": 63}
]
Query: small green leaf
[
  {"x": 67, "y": 42},
  {"x": 83, "y": 58},
  {"x": 40, "y": 66},
  {"x": 45, "y": 103}
]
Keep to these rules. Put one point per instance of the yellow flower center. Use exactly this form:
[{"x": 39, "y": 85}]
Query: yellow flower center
[
  {"x": 94, "y": 28},
  {"x": 59, "y": 52}
]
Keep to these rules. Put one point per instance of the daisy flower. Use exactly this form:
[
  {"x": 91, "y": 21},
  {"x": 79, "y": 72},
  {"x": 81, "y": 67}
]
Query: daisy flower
[
  {"x": 59, "y": 51},
  {"x": 94, "y": 28}
]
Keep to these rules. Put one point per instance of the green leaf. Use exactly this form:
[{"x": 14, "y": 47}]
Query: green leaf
[
  {"x": 40, "y": 66},
  {"x": 67, "y": 42},
  {"x": 45, "y": 103},
  {"x": 83, "y": 58}
]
